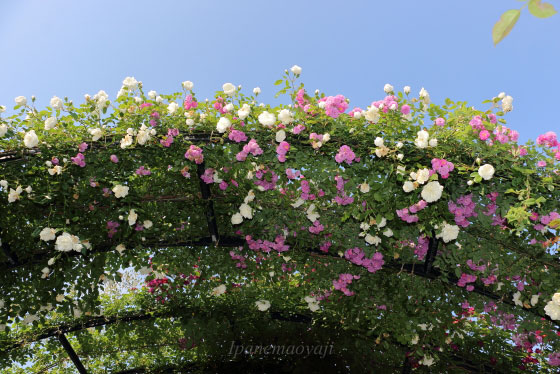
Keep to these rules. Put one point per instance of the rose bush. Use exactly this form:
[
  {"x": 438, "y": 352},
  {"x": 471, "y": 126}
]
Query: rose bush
[{"x": 426, "y": 230}]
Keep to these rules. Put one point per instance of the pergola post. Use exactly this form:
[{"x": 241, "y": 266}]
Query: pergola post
[{"x": 73, "y": 356}]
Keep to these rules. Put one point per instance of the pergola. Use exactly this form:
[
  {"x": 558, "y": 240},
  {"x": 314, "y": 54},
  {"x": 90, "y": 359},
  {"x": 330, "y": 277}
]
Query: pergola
[{"x": 286, "y": 221}]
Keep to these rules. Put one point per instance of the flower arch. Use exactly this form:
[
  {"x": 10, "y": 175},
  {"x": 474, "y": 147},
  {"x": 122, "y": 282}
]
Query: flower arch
[{"x": 408, "y": 235}]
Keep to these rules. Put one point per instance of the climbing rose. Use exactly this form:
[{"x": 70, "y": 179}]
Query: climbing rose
[
  {"x": 30, "y": 139},
  {"x": 267, "y": 119},
  {"x": 486, "y": 171},
  {"x": 120, "y": 191},
  {"x": 263, "y": 305},
  {"x": 194, "y": 153},
  {"x": 47, "y": 234},
  {"x": 432, "y": 191}
]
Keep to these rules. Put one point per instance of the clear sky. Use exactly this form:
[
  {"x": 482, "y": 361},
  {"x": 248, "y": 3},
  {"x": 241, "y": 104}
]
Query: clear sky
[{"x": 69, "y": 48}]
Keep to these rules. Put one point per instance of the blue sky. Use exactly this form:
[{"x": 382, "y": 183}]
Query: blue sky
[{"x": 69, "y": 48}]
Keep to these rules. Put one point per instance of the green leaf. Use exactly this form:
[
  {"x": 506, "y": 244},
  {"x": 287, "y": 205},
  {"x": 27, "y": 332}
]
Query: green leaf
[
  {"x": 540, "y": 9},
  {"x": 554, "y": 224},
  {"x": 504, "y": 25},
  {"x": 279, "y": 81}
]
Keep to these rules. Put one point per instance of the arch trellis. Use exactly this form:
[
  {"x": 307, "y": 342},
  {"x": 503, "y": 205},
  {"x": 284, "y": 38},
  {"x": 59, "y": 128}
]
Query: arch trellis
[{"x": 405, "y": 225}]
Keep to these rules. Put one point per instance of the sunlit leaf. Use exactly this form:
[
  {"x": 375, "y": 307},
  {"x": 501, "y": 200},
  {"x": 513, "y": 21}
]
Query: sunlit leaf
[
  {"x": 504, "y": 25},
  {"x": 540, "y": 9}
]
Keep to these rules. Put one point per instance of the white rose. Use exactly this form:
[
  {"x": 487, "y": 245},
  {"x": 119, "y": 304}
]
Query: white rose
[
  {"x": 172, "y": 108},
  {"x": 50, "y": 123},
  {"x": 556, "y": 298},
  {"x": 236, "y": 219},
  {"x": 120, "y": 248},
  {"x": 188, "y": 85},
  {"x": 143, "y": 135},
  {"x": 299, "y": 202},
  {"x": 2, "y": 108},
  {"x": 130, "y": 83},
  {"x": 96, "y": 134},
  {"x": 312, "y": 215},
  {"x": 433, "y": 142},
  {"x": 422, "y": 134},
  {"x": 507, "y": 104},
  {"x": 486, "y": 171},
  {"x": 246, "y": 211},
  {"x": 382, "y": 223},
  {"x": 13, "y": 195},
  {"x": 432, "y": 191},
  {"x": 217, "y": 291},
  {"x": 223, "y": 124},
  {"x": 421, "y": 140},
  {"x": 250, "y": 197},
  {"x": 388, "y": 88},
  {"x": 257, "y": 90},
  {"x": 534, "y": 300},
  {"x": 285, "y": 117},
  {"x": 229, "y": 89},
  {"x": 381, "y": 151},
  {"x": 449, "y": 232},
  {"x": 4, "y": 183},
  {"x": 30, "y": 139},
  {"x": 126, "y": 141},
  {"x": 64, "y": 243},
  {"x": 406, "y": 90},
  {"x": 21, "y": 100},
  {"x": 378, "y": 142},
  {"x": 427, "y": 361},
  {"x": 159, "y": 99},
  {"x": 47, "y": 234},
  {"x": 552, "y": 310},
  {"x": 422, "y": 176},
  {"x": 408, "y": 186},
  {"x": 101, "y": 99},
  {"x": 56, "y": 103},
  {"x": 152, "y": 94},
  {"x": 280, "y": 136},
  {"x": 57, "y": 169},
  {"x": 132, "y": 217},
  {"x": 228, "y": 108},
  {"x": 244, "y": 112},
  {"x": 267, "y": 119},
  {"x": 364, "y": 188},
  {"x": 296, "y": 70},
  {"x": 374, "y": 240},
  {"x": 3, "y": 130},
  {"x": 120, "y": 191},
  {"x": 372, "y": 114},
  {"x": 262, "y": 305},
  {"x": 147, "y": 224}
]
